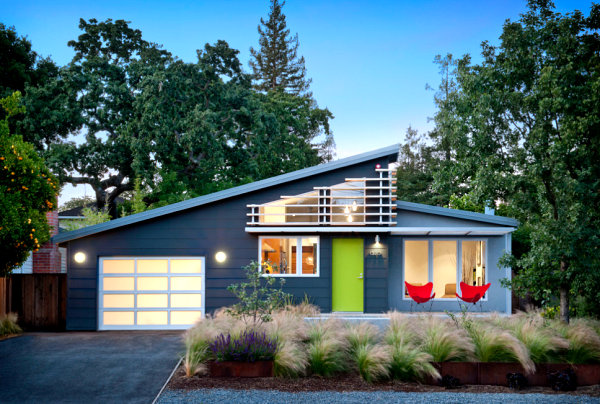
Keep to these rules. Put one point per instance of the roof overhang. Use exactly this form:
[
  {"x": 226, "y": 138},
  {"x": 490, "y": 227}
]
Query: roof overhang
[{"x": 398, "y": 231}]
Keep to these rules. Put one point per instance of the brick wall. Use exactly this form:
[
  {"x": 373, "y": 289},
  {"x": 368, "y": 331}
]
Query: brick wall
[{"x": 47, "y": 258}]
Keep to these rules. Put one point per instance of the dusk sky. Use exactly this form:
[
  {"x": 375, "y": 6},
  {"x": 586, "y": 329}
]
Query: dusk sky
[{"x": 369, "y": 60}]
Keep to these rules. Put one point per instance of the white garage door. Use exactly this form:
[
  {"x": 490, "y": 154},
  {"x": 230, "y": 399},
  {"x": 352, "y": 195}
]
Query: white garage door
[{"x": 150, "y": 293}]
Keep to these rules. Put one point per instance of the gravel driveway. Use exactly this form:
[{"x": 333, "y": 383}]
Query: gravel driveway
[
  {"x": 87, "y": 367},
  {"x": 261, "y": 396}
]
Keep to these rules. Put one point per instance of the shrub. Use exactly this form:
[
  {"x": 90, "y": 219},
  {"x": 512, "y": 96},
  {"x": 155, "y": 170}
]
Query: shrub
[
  {"x": 291, "y": 359},
  {"x": 401, "y": 329},
  {"x": 409, "y": 363},
  {"x": 361, "y": 334},
  {"x": 372, "y": 361},
  {"x": 327, "y": 348},
  {"x": 250, "y": 346},
  {"x": 258, "y": 298},
  {"x": 8, "y": 325},
  {"x": 584, "y": 342},
  {"x": 289, "y": 330},
  {"x": 542, "y": 343},
  {"x": 443, "y": 341},
  {"x": 197, "y": 352},
  {"x": 493, "y": 344}
]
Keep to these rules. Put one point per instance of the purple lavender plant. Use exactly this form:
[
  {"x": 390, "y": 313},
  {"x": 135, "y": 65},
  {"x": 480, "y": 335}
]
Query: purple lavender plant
[{"x": 250, "y": 346}]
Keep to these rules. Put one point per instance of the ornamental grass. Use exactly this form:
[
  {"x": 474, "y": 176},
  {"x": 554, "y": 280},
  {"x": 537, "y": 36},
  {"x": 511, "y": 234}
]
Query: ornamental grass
[{"x": 8, "y": 324}]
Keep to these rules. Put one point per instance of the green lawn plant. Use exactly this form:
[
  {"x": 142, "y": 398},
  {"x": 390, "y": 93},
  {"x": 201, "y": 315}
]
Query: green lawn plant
[{"x": 8, "y": 325}]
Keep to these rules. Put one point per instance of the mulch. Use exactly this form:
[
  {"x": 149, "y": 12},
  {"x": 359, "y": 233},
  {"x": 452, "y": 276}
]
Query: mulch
[{"x": 344, "y": 383}]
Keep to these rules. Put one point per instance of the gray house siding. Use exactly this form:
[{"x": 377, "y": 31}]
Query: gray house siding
[
  {"x": 417, "y": 219},
  {"x": 203, "y": 231}
]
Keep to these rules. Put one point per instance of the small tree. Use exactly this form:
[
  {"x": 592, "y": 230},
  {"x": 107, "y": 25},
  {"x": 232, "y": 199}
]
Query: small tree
[
  {"x": 27, "y": 191},
  {"x": 258, "y": 297},
  {"x": 91, "y": 217}
]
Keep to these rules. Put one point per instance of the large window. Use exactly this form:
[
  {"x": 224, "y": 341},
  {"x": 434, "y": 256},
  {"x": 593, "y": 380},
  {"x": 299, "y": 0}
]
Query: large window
[
  {"x": 289, "y": 256},
  {"x": 437, "y": 261}
]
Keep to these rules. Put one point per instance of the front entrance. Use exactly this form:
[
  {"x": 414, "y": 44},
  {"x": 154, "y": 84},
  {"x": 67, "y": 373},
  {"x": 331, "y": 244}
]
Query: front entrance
[{"x": 347, "y": 278}]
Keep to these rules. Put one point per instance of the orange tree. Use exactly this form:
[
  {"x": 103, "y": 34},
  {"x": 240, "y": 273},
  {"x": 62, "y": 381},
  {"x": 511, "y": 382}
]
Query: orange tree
[{"x": 27, "y": 191}]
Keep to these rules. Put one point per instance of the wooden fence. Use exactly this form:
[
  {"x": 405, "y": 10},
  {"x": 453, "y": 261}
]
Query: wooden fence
[{"x": 40, "y": 300}]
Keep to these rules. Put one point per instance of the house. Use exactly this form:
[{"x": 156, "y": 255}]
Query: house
[{"x": 334, "y": 231}]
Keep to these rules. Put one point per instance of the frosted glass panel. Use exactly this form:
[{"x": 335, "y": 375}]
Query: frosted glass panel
[
  {"x": 185, "y": 317},
  {"x": 118, "y": 318},
  {"x": 118, "y": 301},
  {"x": 118, "y": 266},
  {"x": 186, "y": 283},
  {"x": 152, "y": 300},
  {"x": 186, "y": 266},
  {"x": 416, "y": 257},
  {"x": 152, "y": 283},
  {"x": 152, "y": 266},
  {"x": 444, "y": 269},
  {"x": 125, "y": 283},
  {"x": 186, "y": 300},
  {"x": 152, "y": 318}
]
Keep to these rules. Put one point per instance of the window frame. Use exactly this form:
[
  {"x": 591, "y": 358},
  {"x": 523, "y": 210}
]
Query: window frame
[
  {"x": 430, "y": 241},
  {"x": 298, "y": 273}
]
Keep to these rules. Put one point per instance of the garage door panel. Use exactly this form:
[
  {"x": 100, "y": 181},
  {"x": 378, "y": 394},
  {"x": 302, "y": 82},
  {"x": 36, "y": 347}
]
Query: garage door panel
[
  {"x": 152, "y": 266},
  {"x": 119, "y": 266},
  {"x": 152, "y": 283},
  {"x": 186, "y": 300},
  {"x": 150, "y": 293},
  {"x": 153, "y": 300},
  {"x": 185, "y": 317},
  {"x": 186, "y": 283},
  {"x": 118, "y": 283},
  {"x": 118, "y": 317},
  {"x": 113, "y": 301}
]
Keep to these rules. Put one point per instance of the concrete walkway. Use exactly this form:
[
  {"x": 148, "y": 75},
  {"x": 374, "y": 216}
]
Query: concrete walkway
[{"x": 87, "y": 367}]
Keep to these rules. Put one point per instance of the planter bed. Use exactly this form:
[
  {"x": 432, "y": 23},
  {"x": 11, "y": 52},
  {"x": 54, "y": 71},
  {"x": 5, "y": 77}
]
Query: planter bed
[
  {"x": 344, "y": 383},
  {"x": 494, "y": 373},
  {"x": 241, "y": 369}
]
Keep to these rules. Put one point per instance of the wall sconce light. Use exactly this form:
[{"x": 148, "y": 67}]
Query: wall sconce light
[
  {"x": 79, "y": 257},
  {"x": 377, "y": 239},
  {"x": 220, "y": 256}
]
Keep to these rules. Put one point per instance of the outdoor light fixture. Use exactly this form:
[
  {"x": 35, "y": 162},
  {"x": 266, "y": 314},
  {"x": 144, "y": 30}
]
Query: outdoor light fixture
[
  {"x": 377, "y": 239},
  {"x": 79, "y": 257},
  {"x": 377, "y": 166},
  {"x": 220, "y": 256},
  {"x": 354, "y": 207}
]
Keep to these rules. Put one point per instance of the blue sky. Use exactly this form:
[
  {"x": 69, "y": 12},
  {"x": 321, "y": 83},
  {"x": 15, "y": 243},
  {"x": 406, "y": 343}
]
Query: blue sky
[{"x": 369, "y": 60}]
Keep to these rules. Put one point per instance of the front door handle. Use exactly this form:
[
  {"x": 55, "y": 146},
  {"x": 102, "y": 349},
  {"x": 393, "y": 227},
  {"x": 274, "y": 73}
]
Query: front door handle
[{"x": 360, "y": 276}]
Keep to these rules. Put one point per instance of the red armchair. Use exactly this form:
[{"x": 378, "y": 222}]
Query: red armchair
[
  {"x": 472, "y": 294},
  {"x": 420, "y": 294}
]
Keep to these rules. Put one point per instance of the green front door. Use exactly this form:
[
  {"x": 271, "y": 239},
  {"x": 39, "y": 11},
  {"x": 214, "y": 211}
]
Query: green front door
[{"x": 347, "y": 275}]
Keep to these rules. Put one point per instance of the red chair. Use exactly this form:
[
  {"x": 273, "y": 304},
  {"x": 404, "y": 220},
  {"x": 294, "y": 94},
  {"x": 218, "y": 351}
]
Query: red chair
[
  {"x": 472, "y": 294},
  {"x": 420, "y": 294}
]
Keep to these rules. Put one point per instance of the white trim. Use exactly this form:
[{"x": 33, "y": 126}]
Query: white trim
[
  {"x": 508, "y": 249},
  {"x": 298, "y": 273},
  {"x": 430, "y": 274},
  {"x": 135, "y": 275},
  {"x": 412, "y": 231}
]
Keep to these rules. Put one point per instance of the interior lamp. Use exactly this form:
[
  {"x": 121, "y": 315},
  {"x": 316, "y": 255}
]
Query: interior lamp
[
  {"x": 79, "y": 257},
  {"x": 346, "y": 210},
  {"x": 354, "y": 207},
  {"x": 220, "y": 256},
  {"x": 350, "y": 218}
]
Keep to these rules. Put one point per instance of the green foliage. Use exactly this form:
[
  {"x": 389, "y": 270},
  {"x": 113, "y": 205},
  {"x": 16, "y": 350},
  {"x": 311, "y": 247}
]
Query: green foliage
[
  {"x": 276, "y": 65},
  {"x": 91, "y": 217},
  {"x": 372, "y": 362},
  {"x": 444, "y": 342},
  {"x": 27, "y": 191},
  {"x": 417, "y": 163},
  {"x": 76, "y": 202},
  {"x": 258, "y": 297},
  {"x": 327, "y": 348},
  {"x": 522, "y": 127},
  {"x": 465, "y": 202},
  {"x": 8, "y": 325}
]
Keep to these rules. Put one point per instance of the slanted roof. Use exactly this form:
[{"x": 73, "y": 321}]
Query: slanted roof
[
  {"x": 225, "y": 194},
  {"x": 458, "y": 214}
]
